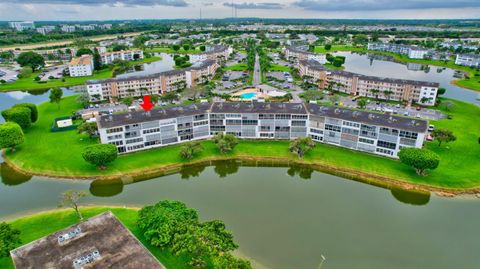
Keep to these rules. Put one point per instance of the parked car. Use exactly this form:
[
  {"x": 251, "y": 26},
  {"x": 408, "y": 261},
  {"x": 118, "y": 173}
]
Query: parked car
[{"x": 431, "y": 127}]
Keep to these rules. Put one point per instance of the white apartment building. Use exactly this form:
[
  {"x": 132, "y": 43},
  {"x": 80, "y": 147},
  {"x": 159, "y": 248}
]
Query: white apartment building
[
  {"x": 299, "y": 54},
  {"x": 45, "y": 29},
  {"x": 124, "y": 55},
  {"x": 68, "y": 28},
  {"x": 81, "y": 66},
  {"x": 215, "y": 53},
  {"x": 21, "y": 25},
  {"x": 412, "y": 52},
  {"x": 468, "y": 60}
]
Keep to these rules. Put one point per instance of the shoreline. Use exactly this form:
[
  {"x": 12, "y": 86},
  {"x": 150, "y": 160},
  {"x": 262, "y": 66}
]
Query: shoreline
[{"x": 344, "y": 173}]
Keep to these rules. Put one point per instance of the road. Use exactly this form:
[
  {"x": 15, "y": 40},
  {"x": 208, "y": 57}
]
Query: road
[{"x": 257, "y": 76}]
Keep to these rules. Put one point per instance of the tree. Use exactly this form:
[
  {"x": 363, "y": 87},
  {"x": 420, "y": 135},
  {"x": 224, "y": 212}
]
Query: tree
[
  {"x": 189, "y": 150},
  {"x": 11, "y": 135},
  {"x": 387, "y": 94},
  {"x": 419, "y": 159},
  {"x": 328, "y": 46},
  {"x": 119, "y": 47},
  {"x": 20, "y": 115},
  {"x": 70, "y": 199},
  {"x": 334, "y": 98},
  {"x": 100, "y": 155},
  {"x": 337, "y": 62},
  {"x": 330, "y": 58},
  {"x": 83, "y": 51},
  {"x": 89, "y": 128},
  {"x": 97, "y": 60},
  {"x": 228, "y": 261},
  {"x": 441, "y": 91},
  {"x": 9, "y": 239},
  {"x": 202, "y": 47},
  {"x": 176, "y": 47},
  {"x": 443, "y": 135},
  {"x": 31, "y": 59},
  {"x": 362, "y": 103},
  {"x": 161, "y": 222},
  {"x": 301, "y": 145},
  {"x": 56, "y": 96},
  {"x": 186, "y": 47},
  {"x": 448, "y": 105},
  {"x": 225, "y": 143},
  {"x": 33, "y": 110},
  {"x": 204, "y": 240},
  {"x": 375, "y": 92},
  {"x": 128, "y": 101}
]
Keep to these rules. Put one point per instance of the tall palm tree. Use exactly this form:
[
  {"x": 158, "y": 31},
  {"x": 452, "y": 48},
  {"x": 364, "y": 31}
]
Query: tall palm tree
[{"x": 387, "y": 94}]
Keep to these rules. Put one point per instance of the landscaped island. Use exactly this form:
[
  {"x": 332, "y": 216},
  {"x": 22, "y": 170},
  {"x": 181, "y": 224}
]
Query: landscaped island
[{"x": 58, "y": 154}]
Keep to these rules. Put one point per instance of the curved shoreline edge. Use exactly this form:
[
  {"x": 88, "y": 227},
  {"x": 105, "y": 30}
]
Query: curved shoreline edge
[{"x": 349, "y": 174}]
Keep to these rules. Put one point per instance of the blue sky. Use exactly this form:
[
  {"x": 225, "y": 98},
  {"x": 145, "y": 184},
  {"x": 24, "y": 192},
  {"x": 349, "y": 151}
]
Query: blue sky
[{"x": 169, "y": 9}]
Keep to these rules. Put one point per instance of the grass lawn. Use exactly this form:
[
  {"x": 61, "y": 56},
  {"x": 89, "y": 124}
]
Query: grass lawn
[
  {"x": 237, "y": 67},
  {"x": 281, "y": 68},
  {"x": 321, "y": 49},
  {"x": 30, "y": 84},
  {"x": 170, "y": 50},
  {"x": 39, "y": 225},
  {"x": 59, "y": 153}
]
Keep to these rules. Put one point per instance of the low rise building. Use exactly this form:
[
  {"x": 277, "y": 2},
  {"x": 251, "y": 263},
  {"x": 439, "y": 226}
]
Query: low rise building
[
  {"x": 68, "y": 28},
  {"x": 81, "y": 66},
  {"x": 300, "y": 53},
  {"x": 468, "y": 60},
  {"x": 124, "y": 55},
  {"x": 420, "y": 92},
  {"x": 99, "y": 242},
  {"x": 158, "y": 83},
  {"x": 45, "y": 29},
  {"x": 218, "y": 53},
  {"x": 413, "y": 52},
  {"x": 376, "y": 133}
]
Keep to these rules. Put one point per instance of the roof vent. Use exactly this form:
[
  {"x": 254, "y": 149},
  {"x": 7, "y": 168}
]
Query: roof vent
[{"x": 68, "y": 236}]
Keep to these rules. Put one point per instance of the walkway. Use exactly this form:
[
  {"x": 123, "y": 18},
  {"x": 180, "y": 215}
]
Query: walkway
[{"x": 257, "y": 76}]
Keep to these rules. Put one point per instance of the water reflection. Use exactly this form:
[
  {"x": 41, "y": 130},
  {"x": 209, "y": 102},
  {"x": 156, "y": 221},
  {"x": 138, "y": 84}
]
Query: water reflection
[
  {"x": 304, "y": 172},
  {"x": 225, "y": 168},
  {"x": 411, "y": 197},
  {"x": 11, "y": 177},
  {"x": 106, "y": 188},
  {"x": 192, "y": 171}
]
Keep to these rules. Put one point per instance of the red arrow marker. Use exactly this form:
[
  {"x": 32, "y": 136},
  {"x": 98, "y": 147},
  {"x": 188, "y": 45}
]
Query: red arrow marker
[{"x": 147, "y": 105}]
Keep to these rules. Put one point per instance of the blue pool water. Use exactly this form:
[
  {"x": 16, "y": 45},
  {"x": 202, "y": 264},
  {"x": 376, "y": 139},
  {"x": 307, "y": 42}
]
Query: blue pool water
[{"x": 248, "y": 95}]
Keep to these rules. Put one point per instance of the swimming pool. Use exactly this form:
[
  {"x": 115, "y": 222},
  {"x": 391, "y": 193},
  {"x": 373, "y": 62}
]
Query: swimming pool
[{"x": 248, "y": 95}]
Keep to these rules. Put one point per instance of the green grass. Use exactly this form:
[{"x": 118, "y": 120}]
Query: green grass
[
  {"x": 39, "y": 225},
  {"x": 60, "y": 153},
  {"x": 170, "y": 50},
  {"x": 333, "y": 67},
  {"x": 237, "y": 67},
  {"x": 281, "y": 68},
  {"x": 321, "y": 49},
  {"x": 30, "y": 84}
]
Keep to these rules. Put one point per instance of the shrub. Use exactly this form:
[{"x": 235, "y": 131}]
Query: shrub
[
  {"x": 420, "y": 159},
  {"x": 9, "y": 239},
  {"x": 33, "y": 110},
  {"x": 100, "y": 155},
  {"x": 20, "y": 115},
  {"x": 11, "y": 135}
]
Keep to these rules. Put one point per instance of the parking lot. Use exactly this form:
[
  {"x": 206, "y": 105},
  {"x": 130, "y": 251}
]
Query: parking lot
[
  {"x": 8, "y": 75},
  {"x": 280, "y": 80},
  {"x": 55, "y": 72},
  {"x": 232, "y": 79}
]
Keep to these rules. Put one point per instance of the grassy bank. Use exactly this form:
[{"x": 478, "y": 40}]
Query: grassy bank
[
  {"x": 39, "y": 225},
  {"x": 59, "y": 154},
  {"x": 30, "y": 84}
]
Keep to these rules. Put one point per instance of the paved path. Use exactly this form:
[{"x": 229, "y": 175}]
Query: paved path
[{"x": 257, "y": 79}]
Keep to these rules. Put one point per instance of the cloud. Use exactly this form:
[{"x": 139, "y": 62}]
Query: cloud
[
  {"x": 364, "y": 5},
  {"x": 207, "y": 4},
  {"x": 246, "y": 5},
  {"x": 173, "y": 3}
]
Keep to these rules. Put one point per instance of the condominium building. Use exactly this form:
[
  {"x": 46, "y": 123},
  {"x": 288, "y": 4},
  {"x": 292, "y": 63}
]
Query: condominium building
[
  {"x": 45, "y": 29},
  {"x": 68, "y": 28},
  {"x": 413, "y": 52},
  {"x": 81, "y": 66},
  {"x": 381, "y": 134},
  {"x": 216, "y": 53},
  {"x": 468, "y": 60},
  {"x": 421, "y": 92},
  {"x": 157, "y": 83},
  {"x": 21, "y": 25},
  {"x": 124, "y": 55},
  {"x": 300, "y": 53}
]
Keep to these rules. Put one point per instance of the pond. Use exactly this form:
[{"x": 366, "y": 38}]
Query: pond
[
  {"x": 287, "y": 217},
  {"x": 383, "y": 66},
  {"x": 165, "y": 64}
]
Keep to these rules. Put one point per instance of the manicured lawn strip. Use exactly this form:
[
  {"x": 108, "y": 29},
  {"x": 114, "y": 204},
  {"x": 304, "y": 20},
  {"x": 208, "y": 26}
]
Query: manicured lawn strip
[
  {"x": 39, "y": 225},
  {"x": 237, "y": 67},
  {"x": 281, "y": 68},
  {"x": 170, "y": 50},
  {"x": 30, "y": 84},
  {"x": 60, "y": 153}
]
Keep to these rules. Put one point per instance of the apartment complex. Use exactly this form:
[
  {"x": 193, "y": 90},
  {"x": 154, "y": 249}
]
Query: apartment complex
[
  {"x": 45, "y": 29},
  {"x": 300, "y": 53},
  {"x": 381, "y": 134},
  {"x": 468, "y": 60},
  {"x": 413, "y": 52},
  {"x": 216, "y": 53},
  {"x": 157, "y": 83},
  {"x": 421, "y": 92},
  {"x": 124, "y": 55},
  {"x": 21, "y": 25},
  {"x": 81, "y": 66}
]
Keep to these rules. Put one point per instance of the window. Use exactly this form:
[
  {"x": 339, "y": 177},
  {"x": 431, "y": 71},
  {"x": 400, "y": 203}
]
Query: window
[
  {"x": 298, "y": 123},
  {"x": 282, "y": 116},
  {"x": 410, "y": 135},
  {"x": 385, "y": 144},
  {"x": 149, "y": 131},
  {"x": 332, "y": 128},
  {"x": 114, "y": 130},
  {"x": 135, "y": 140},
  {"x": 366, "y": 141},
  {"x": 384, "y": 151},
  {"x": 114, "y": 137}
]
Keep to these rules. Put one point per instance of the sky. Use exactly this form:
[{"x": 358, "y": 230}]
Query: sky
[{"x": 177, "y": 9}]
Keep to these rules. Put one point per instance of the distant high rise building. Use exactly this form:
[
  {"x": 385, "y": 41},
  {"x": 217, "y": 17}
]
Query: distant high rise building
[{"x": 21, "y": 25}]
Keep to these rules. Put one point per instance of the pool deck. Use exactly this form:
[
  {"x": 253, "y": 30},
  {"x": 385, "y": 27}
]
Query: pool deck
[{"x": 259, "y": 94}]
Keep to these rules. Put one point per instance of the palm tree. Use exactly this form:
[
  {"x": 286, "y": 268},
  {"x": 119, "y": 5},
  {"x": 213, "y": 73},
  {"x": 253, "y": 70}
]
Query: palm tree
[
  {"x": 387, "y": 94},
  {"x": 375, "y": 92}
]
